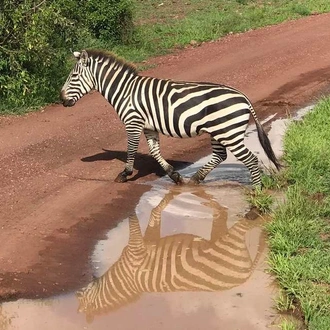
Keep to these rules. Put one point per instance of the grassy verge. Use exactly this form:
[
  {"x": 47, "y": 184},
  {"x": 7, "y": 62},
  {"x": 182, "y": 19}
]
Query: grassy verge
[
  {"x": 162, "y": 26},
  {"x": 300, "y": 231},
  {"x": 167, "y": 24}
]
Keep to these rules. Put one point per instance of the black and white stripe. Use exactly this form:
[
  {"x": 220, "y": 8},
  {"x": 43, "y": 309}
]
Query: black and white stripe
[
  {"x": 181, "y": 262},
  {"x": 177, "y": 109}
]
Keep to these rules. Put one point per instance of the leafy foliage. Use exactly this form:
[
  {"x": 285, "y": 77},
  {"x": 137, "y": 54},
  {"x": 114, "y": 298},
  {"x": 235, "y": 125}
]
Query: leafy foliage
[
  {"x": 115, "y": 25},
  {"x": 32, "y": 43},
  {"x": 35, "y": 40}
]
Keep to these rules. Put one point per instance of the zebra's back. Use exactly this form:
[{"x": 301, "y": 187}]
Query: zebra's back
[{"x": 186, "y": 109}]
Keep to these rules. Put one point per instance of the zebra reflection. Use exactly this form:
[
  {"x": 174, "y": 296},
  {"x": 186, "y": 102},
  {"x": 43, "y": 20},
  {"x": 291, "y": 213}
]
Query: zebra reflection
[{"x": 180, "y": 262}]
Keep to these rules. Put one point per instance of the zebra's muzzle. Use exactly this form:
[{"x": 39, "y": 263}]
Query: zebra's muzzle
[{"x": 68, "y": 102}]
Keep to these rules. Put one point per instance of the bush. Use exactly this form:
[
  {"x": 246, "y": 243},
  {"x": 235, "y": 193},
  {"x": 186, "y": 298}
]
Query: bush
[
  {"x": 33, "y": 43},
  {"x": 36, "y": 38},
  {"x": 110, "y": 20}
]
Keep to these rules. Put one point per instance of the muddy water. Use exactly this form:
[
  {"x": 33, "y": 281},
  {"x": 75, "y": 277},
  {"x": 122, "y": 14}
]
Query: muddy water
[{"x": 186, "y": 259}]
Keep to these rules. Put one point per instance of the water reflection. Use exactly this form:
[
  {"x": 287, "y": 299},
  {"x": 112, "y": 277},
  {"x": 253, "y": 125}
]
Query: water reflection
[
  {"x": 179, "y": 262},
  {"x": 5, "y": 320}
]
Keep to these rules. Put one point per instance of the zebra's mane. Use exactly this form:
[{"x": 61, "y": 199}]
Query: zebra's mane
[{"x": 104, "y": 54}]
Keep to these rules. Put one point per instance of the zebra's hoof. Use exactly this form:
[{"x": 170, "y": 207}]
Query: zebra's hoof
[
  {"x": 121, "y": 178},
  {"x": 177, "y": 178},
  {"x": 259, "y": 186},
  {"x": 194, "y": 180}
]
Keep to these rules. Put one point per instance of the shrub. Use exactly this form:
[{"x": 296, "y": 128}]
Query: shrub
[
  {"x": 110, "y": 20},
  {"x": 33, "y": 43},
  {"x": 36, "y": 38}
]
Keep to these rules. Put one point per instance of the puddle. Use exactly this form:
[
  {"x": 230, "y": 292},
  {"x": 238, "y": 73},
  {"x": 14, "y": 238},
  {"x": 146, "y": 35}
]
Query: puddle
[
  {"x": 183, "y": 260},
  {"x": 186, "y": 259}
]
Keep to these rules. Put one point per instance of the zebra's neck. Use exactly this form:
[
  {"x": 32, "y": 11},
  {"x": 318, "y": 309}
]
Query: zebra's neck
[{"x": 113, "y": 80}]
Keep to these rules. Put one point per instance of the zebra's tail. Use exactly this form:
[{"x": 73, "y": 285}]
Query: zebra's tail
[{"x": 264, "y": 141}]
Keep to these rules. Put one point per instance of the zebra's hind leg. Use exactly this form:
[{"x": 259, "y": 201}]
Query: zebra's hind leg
[
  {"x": 153, "y": 143},
  {"x": 243, "y": 154},
  {"x": 152, "y": 232},
  {"x": 218, "y": 156}
]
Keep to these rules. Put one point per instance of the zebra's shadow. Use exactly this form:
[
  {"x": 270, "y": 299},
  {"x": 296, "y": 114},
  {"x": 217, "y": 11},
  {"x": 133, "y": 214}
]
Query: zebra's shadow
[
  {"x": 144, "y": 164},
  {"x": 179, "y": 262}
]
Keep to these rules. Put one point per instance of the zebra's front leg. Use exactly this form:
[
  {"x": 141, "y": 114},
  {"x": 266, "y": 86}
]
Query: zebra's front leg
[
  {"x": 153, "y": 143},
  {"x": 218, "y": 156},
  {"x": 134, "y": 131}
]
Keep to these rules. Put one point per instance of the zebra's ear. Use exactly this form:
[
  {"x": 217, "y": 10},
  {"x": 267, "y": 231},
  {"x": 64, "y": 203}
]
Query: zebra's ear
[
  {"x": 84, "y": 57},
  {"x": 76, "y": 55},
  {"x": 89, "y": 317}
]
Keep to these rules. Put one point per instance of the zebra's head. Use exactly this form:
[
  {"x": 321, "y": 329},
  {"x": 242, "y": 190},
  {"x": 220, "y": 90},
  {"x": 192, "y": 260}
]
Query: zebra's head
[
  {"x": 113, "y": 290},
  {"x": 80, "y": 80}
]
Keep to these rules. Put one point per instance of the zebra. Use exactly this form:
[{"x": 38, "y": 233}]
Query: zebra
[
  {"x": 180, "y": 262},
  {"x": 180, "y": 109}
]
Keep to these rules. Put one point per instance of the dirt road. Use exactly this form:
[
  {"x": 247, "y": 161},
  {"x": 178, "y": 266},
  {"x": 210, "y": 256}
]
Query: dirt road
[{"x": 57, "y": 191}]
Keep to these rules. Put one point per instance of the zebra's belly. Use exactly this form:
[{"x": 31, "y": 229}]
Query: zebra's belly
[
  {"x": 182, "y": 135},
  {"x": 168, "y": 127}
]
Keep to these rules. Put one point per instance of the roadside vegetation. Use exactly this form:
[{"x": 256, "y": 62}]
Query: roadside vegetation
[
  {"x": 36, "y": 36},
  {"x": 261, "y": 200},
  {"x": 35, "y": 40},
  {"x": 299, "y": 234}
]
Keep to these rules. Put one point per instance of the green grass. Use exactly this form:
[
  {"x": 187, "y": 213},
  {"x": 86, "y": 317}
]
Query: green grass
[
  {"x": 261, "y": 200},
  {"x": 299, "y": 235},
  {"x": 284, "y": 302},
  {"x": 174, "y": 24},
  {"x": 288, "y": 325},
  {"x": 274, "y": 180}
]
